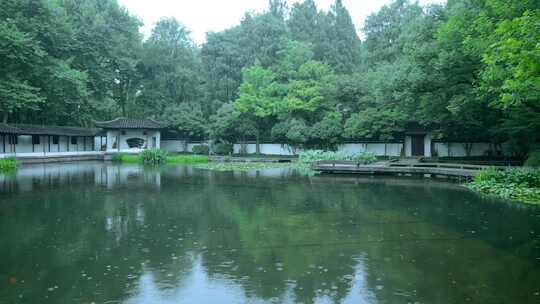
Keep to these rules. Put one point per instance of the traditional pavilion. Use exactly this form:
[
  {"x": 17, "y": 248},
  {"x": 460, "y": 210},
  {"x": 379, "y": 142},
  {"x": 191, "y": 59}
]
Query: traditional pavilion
[{"x": 131, "y": 135}]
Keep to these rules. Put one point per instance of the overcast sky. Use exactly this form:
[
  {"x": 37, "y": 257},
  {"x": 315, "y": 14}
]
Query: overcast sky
[{"x": 202, "y": 16}]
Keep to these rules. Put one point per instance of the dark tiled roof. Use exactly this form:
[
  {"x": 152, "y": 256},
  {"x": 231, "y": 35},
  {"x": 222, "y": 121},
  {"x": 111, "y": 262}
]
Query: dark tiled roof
[
  {"x": 27, "y": 129},
  {"x": 131, "y": 123},
  {"x": 7, "y": 129}
]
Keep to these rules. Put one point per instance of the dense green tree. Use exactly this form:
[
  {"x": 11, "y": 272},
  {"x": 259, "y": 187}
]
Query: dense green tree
[
  {"x": 37, "y": 54},
  {"x": 188, "y": 119},
  {"x": 19, "y": 52},
  {"x": 374, "y": 124},
  {"x": 169, "y": 69},
  {"x": 512, "y": 77},
  {"x": 222, "y": 64},
  {"x": 467, "y": 70},
  {"x": 328, "y": 132},
  {"x": 107, "y": 46},
  {"x": 293, "y": 132},
  {"x": 304, "y": 22},
  {"x": 332, "y": 34}
]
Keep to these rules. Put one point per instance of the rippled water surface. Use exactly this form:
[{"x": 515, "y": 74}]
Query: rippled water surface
[{"x": 103, "y": 233}]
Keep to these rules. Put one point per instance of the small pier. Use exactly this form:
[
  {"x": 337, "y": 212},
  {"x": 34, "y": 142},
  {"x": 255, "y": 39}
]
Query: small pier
[{"x": 397, "y": 168}]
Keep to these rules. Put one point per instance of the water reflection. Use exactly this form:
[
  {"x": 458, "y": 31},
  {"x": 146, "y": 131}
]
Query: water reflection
[{"x": 95, "y": 232}]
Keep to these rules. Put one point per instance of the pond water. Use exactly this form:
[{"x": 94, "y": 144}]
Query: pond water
[{"x": 104, "y": 233}]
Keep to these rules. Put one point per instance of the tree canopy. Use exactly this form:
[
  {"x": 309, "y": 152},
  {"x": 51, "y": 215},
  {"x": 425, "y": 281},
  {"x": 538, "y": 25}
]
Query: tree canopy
[{"x": 469, "y": 70}]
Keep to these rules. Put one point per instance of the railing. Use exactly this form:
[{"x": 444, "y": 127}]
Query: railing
[
  {"x": 439, "y": 165},
  {"x": 344, "y": 166}
]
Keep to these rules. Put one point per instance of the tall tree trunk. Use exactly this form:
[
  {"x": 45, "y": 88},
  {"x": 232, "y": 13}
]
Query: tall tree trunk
[
  {"x": 5, "y": 117},
  {"x": 126, "y": 100}
]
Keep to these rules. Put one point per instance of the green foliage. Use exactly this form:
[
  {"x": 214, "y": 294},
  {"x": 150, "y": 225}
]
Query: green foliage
[
  {"x": 375, "y": 124},
  {"x": 533, "y": 160},
  {"x": 170, "y": 77},
  {"x": 469, "y": 70},
  {"x": 187, "y": 118},
  {"x": 257, "y": 91},
  {"x": 316, "y": 155},
  {"x": 293, "y": 132},
  {"x": 311, "y": 90},
  {"x": 328, "y": 131},
  {"x": 153, "y": 157},
  {"x": 126, "y": 158},
  {"x": 521, "y": 185},
  {"x": 8, "y": 164},
  {"x": 512, "y": 64},
  {"x": 222, "y": 149},
  {"x": 158, "y": 157},
  {"x": 201, "y": 149}
]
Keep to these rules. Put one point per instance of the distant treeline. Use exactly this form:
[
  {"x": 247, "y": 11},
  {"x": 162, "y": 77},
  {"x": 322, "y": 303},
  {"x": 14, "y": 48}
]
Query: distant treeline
[{"x": 468, "y": 70}]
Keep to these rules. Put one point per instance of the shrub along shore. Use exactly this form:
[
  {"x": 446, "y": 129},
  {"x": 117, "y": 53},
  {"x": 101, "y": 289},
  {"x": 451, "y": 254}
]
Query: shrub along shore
[{"x": 520, "y": 184}]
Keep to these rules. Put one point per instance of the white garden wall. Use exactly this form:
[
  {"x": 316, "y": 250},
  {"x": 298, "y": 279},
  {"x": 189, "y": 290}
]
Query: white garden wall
[
  {"x": 380, "y": 149},
  {"x": 458, "y": 149}
]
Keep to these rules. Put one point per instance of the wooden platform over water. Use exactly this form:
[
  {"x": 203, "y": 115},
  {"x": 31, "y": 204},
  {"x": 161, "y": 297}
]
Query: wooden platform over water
[{"x": 422, "y": 169}]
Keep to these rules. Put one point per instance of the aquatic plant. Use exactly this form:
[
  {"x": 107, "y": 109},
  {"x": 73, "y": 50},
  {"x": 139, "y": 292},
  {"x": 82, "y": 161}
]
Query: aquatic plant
[
  {"x": 316, "y": 155},
  {"x": 521, "y": 184},
  {"x": 8, "y": 164},
  {"x": 153, "y": 157}
]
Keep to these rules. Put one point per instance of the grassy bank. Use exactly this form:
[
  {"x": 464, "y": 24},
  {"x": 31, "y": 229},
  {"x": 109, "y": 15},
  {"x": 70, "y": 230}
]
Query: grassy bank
[
  {"x": 164, "y": 158},
  {"x": 8, "y": 165},
  {"x": 520, "y": 185}
]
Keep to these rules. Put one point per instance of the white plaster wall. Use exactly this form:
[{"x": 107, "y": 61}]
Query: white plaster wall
[
  {"x": 173, "y": 146},
  {"x": 98, "y": 141},
  {"x": 458, "y": 149},
  {"x": 24, "y": 144},
  {"x": 392, "y": 149},
  {"x": 135, "y": 134},
  {"x": 427, "y": 145},
  {"x": 352, "y": 148},
  {"x": 113, "y": 136},
  {"x": 268, "y": 149},
  {"x": 408, "y": 146},
  {"x": 274, "y": 149},
  {"x": 62, "y": 144}
]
